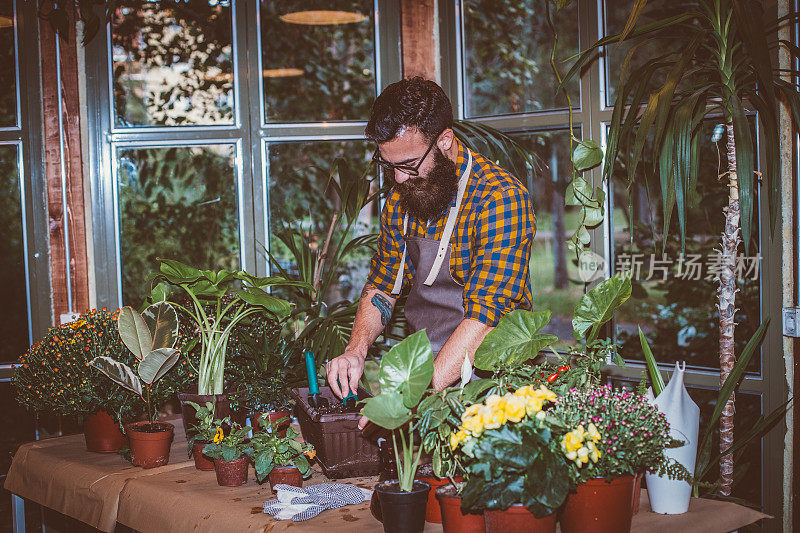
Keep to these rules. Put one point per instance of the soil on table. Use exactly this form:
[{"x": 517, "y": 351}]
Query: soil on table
[
  {"x": 154, "y": 427},
  {"x": 336, "y": 408}
]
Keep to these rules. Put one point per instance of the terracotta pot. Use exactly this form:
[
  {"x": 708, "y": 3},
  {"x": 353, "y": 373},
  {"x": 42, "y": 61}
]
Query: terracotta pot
[
  {"x": 274, "y": 416},
  {"x": 102, "y": 433},
  {"x": 433, "y": 512},
  {"x": 599, "y": 506},
  {"x": 637, "y": 493},
  {"x": 286, "y": 475},
  {"x": 518, "y": 518},
  {"x": 201, "y": 462},
  {"x": 454, "y": 520},
  {"x": 222, "y": 409},
  {"x": 150, "y": 449},
  {"x": 403, "y": 512},
  {"x": 231, "y": 473}
]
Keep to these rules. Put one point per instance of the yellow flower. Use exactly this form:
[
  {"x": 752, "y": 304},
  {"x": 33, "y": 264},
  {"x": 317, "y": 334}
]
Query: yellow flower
[
  {"x": 457, "y": 438},
  {"x": 471, "y": 411},
  {"x": 593, "y": 433},
  {"x": 533, "y": 405},
  {"x": 495, "y": 402},
  {"x": 311, "y": 453},
  {"x": 473, "y": 424},
  {"x": 515, "y": 408},
  {"x": 547, "y": 394},
  {"x": 494, "y": 417},
  {"x": 219, "y": 436}
]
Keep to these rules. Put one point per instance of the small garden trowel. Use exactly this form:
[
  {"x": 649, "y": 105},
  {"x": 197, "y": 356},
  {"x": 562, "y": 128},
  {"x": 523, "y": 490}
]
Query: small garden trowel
[{"x": 314, "y": 398}]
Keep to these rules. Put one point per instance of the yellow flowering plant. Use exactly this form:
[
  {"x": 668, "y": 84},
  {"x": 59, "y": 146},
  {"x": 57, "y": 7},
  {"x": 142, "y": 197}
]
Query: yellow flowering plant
[
  {"x": 511, "y": 450},
  {"x": 230, "y": 441}
]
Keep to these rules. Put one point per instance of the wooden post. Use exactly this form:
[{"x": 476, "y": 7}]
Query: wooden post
[
  {"x": 64, "y": 170},
  {"x": 420, "y": 38}
]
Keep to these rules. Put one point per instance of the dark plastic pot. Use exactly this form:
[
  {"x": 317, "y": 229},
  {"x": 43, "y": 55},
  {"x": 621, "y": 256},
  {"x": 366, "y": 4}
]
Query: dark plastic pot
[
  {"x": 150, "y": 449},
  {"x": 599, "y": 506},
  {"x": 201, "y": 462},
  {"x": 220, "y": 401},
  {"x": 342, "y": 451},
  {"x": 231, "y": 473},
  {"x": 454, "y": 520},
  {"x": 403, "y": 512},
  {"x": 519, "y": 518},
  {"x": 433, "y": 512},
  {"x": 102, "y": 433},
  {"x": 286, "y": 475},
  {"x": 274, "y": 416}
]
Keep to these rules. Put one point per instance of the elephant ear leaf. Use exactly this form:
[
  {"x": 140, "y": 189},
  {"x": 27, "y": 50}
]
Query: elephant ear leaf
[
  {"x": 134, "y": 332},
  {"x": 408, "y": 368},
  {"x": 515, "y": 339},
  {"x": 157, "y": 363},
  {"x": 118, "y": 372},
  {"x": 162, "y": 321},
  {"x": 597, "y": 306}
]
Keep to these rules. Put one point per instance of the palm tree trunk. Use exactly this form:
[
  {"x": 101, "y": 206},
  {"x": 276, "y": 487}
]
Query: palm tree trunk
[{"x": 727, "y": 311}]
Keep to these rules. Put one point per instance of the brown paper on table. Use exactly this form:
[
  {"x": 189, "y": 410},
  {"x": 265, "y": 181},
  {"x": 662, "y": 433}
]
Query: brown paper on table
[
  {"x": 61, "y": 474},
  {"x": 190, "y": 500}
]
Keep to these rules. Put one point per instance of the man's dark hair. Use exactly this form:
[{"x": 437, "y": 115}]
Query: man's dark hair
[{"x": 413, "y": 102}]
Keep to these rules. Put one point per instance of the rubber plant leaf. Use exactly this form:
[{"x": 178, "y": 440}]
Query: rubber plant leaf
[
  {"x": 157, "y": 363},
  {"x": 515, "y": 340},
  {"x": 134, "y": 332},
  {"x": 118, "y": 372},
  {"x": 162, "y": 321}
]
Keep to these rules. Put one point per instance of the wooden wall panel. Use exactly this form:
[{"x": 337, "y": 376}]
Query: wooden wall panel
[
  {"x": 420, "y": 40},
  {"x": 68, "y": 129}
]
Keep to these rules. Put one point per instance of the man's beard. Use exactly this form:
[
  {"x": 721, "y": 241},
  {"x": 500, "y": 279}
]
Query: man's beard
[{"x": 427, "y": 198}]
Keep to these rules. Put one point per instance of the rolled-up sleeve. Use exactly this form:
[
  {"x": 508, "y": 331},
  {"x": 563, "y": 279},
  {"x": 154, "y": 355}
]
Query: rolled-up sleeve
[
  {"x": 385, "y": 263},
  {"x": 499, "y": 279}
]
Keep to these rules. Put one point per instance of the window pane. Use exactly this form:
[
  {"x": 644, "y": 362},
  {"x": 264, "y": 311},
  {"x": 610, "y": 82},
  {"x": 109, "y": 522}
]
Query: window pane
[
  {"x": 172, "y": 65},
  {"x": 507, "y": 49},
  {"x": 8, "y": 66},
  {"x": 299, "y": 173},
  {"x": 314, "y": 70},
  {"x": 14, "y": 312},
  {"x": 176, "y": 203},
  {"x": 616, "y": 15},
  {"x": 676, "y": 306},
  {"x": 554, "y": 279}
]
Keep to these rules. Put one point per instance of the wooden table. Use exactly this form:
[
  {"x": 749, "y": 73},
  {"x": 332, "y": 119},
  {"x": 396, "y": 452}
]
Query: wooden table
[{"x": 103, "y": 490}]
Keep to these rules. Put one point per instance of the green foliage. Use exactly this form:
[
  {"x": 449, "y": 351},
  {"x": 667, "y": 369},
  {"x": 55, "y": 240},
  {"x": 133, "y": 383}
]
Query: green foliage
[
  {"x": 515, "y": 340},
  {"x": 516, "y": 463},
  {"x": 271, "y": 450},
  {"x": 597, "y": 306},
  {"x": 204, "y": 431},
  {"x": 230, "y": 442},
  {"x": 405, "y": 374},
  {"x": 141, "y": 336}
]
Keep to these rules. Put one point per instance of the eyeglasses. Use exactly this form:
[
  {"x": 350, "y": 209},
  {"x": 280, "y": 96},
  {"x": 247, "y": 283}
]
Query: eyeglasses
[{"x": 405, "y": 169}]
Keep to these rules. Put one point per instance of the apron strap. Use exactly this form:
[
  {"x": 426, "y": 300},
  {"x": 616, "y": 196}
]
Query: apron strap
[
  {"x": 398, "y": 281},
  {"x": 450, "y": 224}
]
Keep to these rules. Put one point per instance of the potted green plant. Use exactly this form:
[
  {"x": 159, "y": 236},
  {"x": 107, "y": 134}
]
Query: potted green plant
[
  {"x": 617, "y": 435},
  {"x": 54, "y": 377},
  {"x": 231, "y": 450},
  {"x": 151, "y": 337},
  {"x": 516, "y": 473},
  {"x": 204, "y": 433},
  {"x": 280, "y": 457},
  {"x": 405, "y": 374},
  {"x": 232, "y": 297}
]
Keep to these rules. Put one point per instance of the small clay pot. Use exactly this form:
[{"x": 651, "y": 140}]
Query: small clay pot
[
  {"x": 433, "y": 512},
  {"x": 403, "y": 512},
  {"x": 599, "y": 506},
  {"x": 286, "y": 475},
  {"x": 201, "y": 462},
  {"x": 454, "y": 520},
  {"x": 274, "y": 416},
  {"x": 150, "y": 443},
  {"x": 518, "y": 518},
  {"x": 231, "y": 473},
  {"x": 102, "y": 433}
]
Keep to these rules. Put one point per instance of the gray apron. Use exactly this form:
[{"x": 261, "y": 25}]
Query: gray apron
[{"x": 436, "y": 301}]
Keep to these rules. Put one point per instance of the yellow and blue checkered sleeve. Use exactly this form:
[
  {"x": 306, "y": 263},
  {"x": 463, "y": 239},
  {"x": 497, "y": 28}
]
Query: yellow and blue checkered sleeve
[
  {"x": 385, "y": 263},
  {"x": 498, "y": 280}
]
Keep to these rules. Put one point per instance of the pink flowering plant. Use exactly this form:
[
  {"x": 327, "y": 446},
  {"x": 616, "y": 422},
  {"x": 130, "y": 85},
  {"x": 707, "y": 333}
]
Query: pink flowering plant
[{"x": 617, "y": 433}]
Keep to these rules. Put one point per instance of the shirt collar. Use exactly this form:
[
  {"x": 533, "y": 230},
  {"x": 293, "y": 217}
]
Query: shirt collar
[{"x": 461, "y": 158}]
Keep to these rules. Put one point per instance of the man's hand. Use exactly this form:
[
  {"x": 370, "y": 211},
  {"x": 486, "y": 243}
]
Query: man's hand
[{"x": 343, "y": 371}]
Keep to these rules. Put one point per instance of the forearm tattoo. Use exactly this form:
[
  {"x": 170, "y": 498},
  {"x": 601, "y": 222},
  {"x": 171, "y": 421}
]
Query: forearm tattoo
[{"x": 384, "y": 306}]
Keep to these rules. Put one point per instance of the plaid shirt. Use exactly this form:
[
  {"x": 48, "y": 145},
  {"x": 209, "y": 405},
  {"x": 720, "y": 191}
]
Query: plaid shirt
[{"x": 491, "y": 243}]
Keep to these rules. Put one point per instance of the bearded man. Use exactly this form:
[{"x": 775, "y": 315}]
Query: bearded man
[{"x": 455, "y": 236}]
